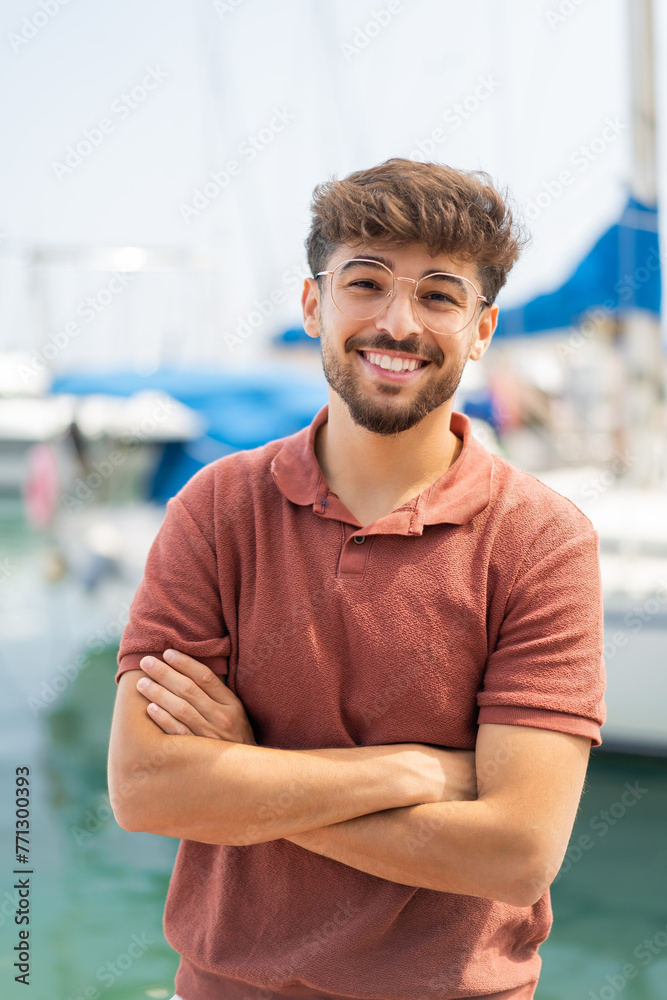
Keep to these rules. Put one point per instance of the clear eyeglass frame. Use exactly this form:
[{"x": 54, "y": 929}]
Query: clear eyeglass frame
[{"x": 391, "y": 295}]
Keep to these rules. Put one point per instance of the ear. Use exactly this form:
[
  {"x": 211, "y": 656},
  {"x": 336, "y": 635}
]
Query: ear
[
  {"x": 310, "y": 300},
  {"x": 486, "y": 326}
]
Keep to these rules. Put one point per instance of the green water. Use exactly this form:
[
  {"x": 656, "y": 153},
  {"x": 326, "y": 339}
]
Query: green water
[
  {"x": 611, "y": 895},
  {"x": 97, "y": 892}
]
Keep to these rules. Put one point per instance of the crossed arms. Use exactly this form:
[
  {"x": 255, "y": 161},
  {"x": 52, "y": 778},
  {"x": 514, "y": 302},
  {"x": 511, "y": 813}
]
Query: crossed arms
[{"x": 405, "y": 812}]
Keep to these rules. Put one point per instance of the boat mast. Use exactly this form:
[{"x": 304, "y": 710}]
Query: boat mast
[
  {"x": 640, "y": 330},
  {"x": 642, "y": 72}
]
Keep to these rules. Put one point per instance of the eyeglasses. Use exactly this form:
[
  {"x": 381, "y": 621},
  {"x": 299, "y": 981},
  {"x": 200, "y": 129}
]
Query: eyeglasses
[{"x": 444, "y": 303}]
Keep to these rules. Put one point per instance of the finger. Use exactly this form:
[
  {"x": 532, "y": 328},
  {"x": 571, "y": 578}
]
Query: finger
[
  {"x": 203, "y": 676},
  {"x": 206, "y": 680},
  {"x": 181, "y": 685},
  {"x": 178, "y": 708},
  {"x": 167, "y": 723}
]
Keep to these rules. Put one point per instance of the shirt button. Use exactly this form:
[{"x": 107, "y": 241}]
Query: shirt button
[{"x": 360, "y": 539}]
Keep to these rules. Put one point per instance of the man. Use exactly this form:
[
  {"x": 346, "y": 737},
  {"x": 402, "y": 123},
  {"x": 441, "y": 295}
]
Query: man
[{"x": 376, "y": 801}]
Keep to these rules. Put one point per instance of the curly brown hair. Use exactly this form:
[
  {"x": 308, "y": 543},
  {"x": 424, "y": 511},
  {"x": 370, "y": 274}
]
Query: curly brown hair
[{"x": 456, "y": 212}]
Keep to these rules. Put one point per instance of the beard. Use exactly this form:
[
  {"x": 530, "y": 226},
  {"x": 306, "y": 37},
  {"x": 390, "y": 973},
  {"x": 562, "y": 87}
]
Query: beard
[{"x": 370, "y": 412}]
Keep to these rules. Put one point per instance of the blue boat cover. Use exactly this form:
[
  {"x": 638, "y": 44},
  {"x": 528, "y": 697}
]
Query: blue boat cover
[
  {"x": 241, "y": 411},
  {"x": 621, "y": 273}
]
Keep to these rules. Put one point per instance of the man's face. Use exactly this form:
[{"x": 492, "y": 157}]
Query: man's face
[{"x": 384, "y": 401}]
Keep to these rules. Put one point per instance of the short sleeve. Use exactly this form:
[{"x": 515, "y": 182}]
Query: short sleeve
[
  {"x": 547, "y": 668},
  {"x": 177, "y": 604}
]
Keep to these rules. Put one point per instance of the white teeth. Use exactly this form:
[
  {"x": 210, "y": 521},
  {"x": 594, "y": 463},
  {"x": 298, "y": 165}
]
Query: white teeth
[{"x": 392, "y": 363}]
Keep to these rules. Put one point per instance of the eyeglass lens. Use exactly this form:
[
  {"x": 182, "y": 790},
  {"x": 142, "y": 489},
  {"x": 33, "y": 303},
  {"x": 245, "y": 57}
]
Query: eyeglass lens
[{"x": 444, "y": 303}]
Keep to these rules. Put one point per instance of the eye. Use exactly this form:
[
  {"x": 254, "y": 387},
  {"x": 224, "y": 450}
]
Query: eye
[
  {"x": 363, "y": 283},
  {"x": 440, "y": 297},
  {"x": 439, "y": 291}
]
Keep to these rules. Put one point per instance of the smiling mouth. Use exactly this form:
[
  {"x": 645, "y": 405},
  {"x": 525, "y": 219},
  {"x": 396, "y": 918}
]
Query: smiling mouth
[{"x": 393, "y": 363}]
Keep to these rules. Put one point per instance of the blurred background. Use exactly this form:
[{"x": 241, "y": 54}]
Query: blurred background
[{"x": 159, "y": 162}]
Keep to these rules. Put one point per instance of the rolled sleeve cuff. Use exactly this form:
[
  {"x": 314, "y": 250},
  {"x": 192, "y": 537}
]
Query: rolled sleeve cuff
[
  {"x": 540, "y": 718},
  {"x": 130, "y": 661}
]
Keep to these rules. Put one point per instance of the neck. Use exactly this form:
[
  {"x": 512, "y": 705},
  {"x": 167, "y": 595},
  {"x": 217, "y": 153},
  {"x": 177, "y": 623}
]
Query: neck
[{"x": 364, "y": 468}]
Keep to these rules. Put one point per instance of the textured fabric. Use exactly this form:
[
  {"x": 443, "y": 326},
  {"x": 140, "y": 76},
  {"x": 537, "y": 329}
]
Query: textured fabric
[{"x": 477, "y": 601}]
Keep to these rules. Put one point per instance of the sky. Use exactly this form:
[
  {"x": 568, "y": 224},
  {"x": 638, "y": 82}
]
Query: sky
[{"x": 202, "y": 126}]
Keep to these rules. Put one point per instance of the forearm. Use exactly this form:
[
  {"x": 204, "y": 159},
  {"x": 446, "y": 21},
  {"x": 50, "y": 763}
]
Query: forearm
[
  {"x": 458, "y": 847},
  {"x": 217, "y": 792}
]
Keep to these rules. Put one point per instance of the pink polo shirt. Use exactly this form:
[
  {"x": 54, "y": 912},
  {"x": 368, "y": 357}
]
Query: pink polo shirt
[{"x": 478, "y": 601}]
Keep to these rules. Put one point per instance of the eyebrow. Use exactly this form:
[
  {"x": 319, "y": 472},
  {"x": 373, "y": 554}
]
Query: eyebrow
[
  {"x": 361, "y": 257},
  {"x": 390, "y": 264}
]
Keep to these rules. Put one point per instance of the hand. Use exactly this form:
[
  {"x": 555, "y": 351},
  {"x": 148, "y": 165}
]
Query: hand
[
  {"x": 461, "y": 772},
  {"x": 442, "y": 774},
  {"x": 188, "y": 699}
]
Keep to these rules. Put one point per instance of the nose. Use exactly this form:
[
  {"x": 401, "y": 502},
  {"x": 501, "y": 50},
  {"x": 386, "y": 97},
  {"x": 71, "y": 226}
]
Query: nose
[{"x": 399, "y": 317}]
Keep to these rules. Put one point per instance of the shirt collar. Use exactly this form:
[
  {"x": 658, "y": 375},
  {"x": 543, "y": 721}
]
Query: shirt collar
[{"x": 457, "y": 496}]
